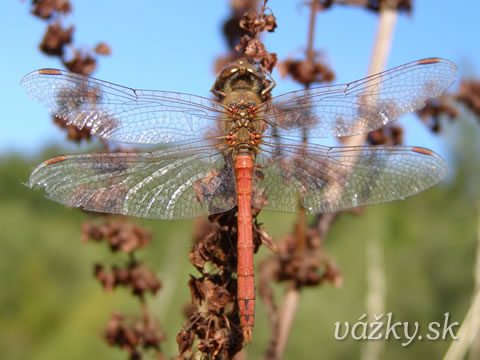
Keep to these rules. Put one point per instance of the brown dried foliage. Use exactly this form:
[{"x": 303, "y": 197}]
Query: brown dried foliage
[
  {"x": 119, "y": 235},
  {"x": 131, "y": 333},
  {"x": 388, "y": 135},
  {"x": 242, "y": 32},
  {"x": 103, "y": 49},
  {"x": 211, "y": 335},
  {"x": 55, "y": 40},
  {"x": 250, "y": 44},
  {"x": 233, "y": 32},
  {"x": 73, "y": 132},
  {"x": 134, "y": 335},
  {"x": 305, "y": 71},
  {"x": 46, "y": 9},
  {"x": 435, "y": 108},
  {"x": 58, "y": 41},
  {"x": 81, "y": 63},
  {"x": 310, "y": 69},
  {"x": 308, "y": 267},
  {"x": 300, "y": 259},
  {"x": 469, "y": 94},
  {"x": 254, "y": 24},
  {"x": 134, "y": 276},
  {"x": 213, "y": 327}
]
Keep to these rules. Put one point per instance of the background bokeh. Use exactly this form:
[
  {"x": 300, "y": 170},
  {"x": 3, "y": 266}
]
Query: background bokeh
[{"x": 50, "y": 306}]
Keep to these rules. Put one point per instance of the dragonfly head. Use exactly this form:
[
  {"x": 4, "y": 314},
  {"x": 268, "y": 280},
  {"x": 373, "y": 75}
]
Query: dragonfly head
[{"x": 239, "y": 75}]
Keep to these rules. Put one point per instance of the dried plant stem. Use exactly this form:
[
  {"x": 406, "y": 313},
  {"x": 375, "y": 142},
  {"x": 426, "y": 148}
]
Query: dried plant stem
[
  {"x": 282, "y": 319},
  {"x": 386, "y": 25},
  {"x": 375, "y": 274},
  {"x": 381, "y": 50},
  {"x": 289, "y": 305},
  {"x": 311, "y": 31},
  {"x": 301, "y": 229},
  {"x": 469, "y": 331},
  {"x": 287, "y": 310},
  {"x": 375, "y": 299},
  {"x": 383, "y": 41},
  {"x": 475, "y": 346}
]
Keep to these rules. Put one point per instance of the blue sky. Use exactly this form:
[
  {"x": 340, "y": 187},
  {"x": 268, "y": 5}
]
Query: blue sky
[{"x": 171, "y": 45}]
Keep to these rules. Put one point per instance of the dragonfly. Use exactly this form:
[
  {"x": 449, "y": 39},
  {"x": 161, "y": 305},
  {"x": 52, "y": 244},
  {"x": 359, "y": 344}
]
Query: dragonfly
[{"x": 245, "y": 148}]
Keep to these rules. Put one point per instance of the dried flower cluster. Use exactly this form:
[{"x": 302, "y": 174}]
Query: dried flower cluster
[
  {"x": 469, "y": 94},
  {"x": 73, "y": 132},
  {"x": 250, "y": 44},
  {"x": 242, "y": 32},
  {"x": 134, "y": 333},
  {"x": 125, "y": 237},
  {"x": 134, "y": 276},
  {"x": 308, "y": 266},
  {"x": 119, "y": 235},
  {"x": 47, "y": 9},
  {"x": 388, "y": 135},
  {"x": 58, "y": 41},
  {"x": 431, "y": 112},
  {"x": 213, "y": 326},
  {"x": 306, "y": 71},
  {"x": 131, "y": 333},
  {"x": 309, "y": 69}
]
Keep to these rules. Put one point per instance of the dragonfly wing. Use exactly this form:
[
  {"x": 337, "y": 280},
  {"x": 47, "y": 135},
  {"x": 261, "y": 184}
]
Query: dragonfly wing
[
  {"x": 361, "y": 106},
  {"x": 122, "y": 114},
  {"x": 174, "y": 183},
  {"x": 331, "y": 179}
]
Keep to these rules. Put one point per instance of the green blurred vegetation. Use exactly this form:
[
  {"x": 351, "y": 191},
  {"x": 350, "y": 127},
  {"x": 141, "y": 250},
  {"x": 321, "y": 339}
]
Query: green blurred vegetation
[{"x": 52, "y": 308}]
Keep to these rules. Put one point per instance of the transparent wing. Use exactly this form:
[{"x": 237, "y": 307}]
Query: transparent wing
[
  {"x": 121, "y": 114},
  {"x": 360, "y": 106},
  {"x": 174, "y": 183},
  {"x": 328, "y": 179}
]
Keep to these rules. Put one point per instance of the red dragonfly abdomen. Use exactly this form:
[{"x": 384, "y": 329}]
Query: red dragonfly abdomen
[{"x": 245, "y": 272}]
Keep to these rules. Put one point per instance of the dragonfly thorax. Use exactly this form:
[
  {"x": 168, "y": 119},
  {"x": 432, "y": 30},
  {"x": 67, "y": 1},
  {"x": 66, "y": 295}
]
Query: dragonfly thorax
[{"x": 244, "y": 129}]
